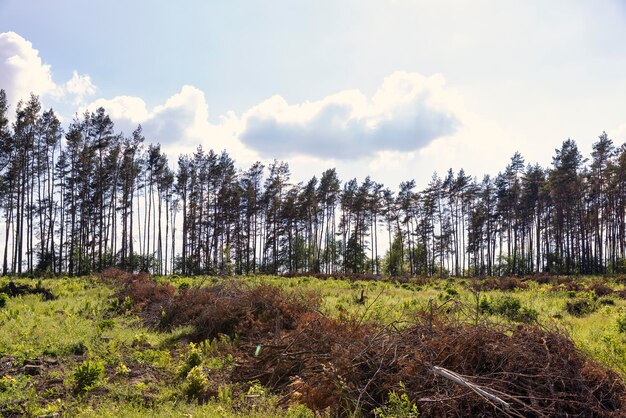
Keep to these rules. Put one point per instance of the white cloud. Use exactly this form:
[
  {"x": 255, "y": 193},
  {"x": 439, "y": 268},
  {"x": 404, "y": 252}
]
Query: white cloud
[
  {"x": 406, "y": 113},
  {"x": 618, "y": 135},
  {"x": 179, "y": 125},
  {"x": 21, "y": 69},
  {"x": 22, "y": 72},
  {"x": 80, "y": 86},
  {"x": 386, "y": 137},
  {"x": 411, "y": 126},
  {"x": 126, "y": 111}
]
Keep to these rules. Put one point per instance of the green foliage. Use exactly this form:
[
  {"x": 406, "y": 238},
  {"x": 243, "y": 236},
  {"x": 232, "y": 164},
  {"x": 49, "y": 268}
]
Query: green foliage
[
  {"x": 448, "y": 293},
  {"x": 299, "y": 411},
  {"x": 196, "y": 383},
  {"x": 78, "y": 348},
  {"x": 4, "y": 299},
  {"x": 581, "y": 306},
  {"x": 193, "y": 358},
  {"x": 106, "y": 324},
  {"x": 121, "y": 306},
  {"x": 140, "y": 340},
  {"x": 87, "y": 375},
  {"x": 619, "y": 267},
  {"x": 7, "y": 383},
  {"x": 398, "y": 406},
  {"x": 621, "y": 324},
  {"x": 484, "y": 305},
  {"x": 225, "y": 395},
  {"x": 393, "y": 263},
  {"x": 122, "y": 370},
  {"x": 355, "y": 259},
  {"x": 508, "y": 307},
  {"x": 159, "y": 358}
]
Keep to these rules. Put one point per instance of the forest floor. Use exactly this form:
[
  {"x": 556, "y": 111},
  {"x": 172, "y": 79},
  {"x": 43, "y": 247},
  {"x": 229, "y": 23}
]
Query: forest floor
[{"x": 131, "y": 345}]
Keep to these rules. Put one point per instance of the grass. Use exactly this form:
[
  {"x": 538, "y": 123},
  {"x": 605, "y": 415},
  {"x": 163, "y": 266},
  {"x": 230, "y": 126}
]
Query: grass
[{"x": 142, "y": 367}]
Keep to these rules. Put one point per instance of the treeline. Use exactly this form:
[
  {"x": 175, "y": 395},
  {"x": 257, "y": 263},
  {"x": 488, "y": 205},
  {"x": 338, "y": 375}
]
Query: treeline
[{"x": 86, "y": 198}]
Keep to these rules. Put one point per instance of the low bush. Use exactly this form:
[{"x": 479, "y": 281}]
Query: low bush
[
  {"x": 193, "y": 358},
  {"x": 621, "y": 324},
  {"x": 581, "y": 306},
  {"x": 196, "y": 383},
  {"x": 600, "y": 288},
  {"x": 13, "y": 289},
  {"x": 398, "y": 406},
  {"x": 508, "y": 307},
  {"x": 505, "y": 284},
  {"x": 87, "y": 375}
]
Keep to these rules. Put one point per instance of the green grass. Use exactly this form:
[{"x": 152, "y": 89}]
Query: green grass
[
  {"x": 596, "y": 333},
  {"x": 141, "y": 366},
  {"x": 145, "y": 370}
]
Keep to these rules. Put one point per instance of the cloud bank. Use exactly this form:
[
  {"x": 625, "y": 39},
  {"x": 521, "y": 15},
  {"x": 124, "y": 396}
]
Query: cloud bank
[
  {"x": 406, "y": 113},
  {"x": 179, "y": 125},
  {"x": 22, "y": 72},
  {"x": 409, "y": 127}
]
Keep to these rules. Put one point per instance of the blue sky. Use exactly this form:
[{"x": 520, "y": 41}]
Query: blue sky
[{"x": 395, "y": 89}]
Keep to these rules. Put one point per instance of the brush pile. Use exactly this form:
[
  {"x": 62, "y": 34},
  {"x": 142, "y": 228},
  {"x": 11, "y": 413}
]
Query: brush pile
[{"x": 341, "y": 365}]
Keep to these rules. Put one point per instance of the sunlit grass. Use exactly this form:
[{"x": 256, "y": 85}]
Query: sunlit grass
[{"x": 79, "y": 325}]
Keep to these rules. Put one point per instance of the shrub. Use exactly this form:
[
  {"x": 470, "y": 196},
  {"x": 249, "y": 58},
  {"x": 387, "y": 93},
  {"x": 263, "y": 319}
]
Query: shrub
[
  {"x": 106, "y": 324},
  {"x": 4, "y": 299},
  {"x": 398, "y": 406},
  {"x": 78, "y": 348},
  {"x": 484, "y": 306},
  {"x": 192, "y": 359},
  {"x": 509, "y": 307},
  {"x": 299, "y": 411},
  {"x": 527, "y": 315},
  {"x": 196, "y": 383},
  {"x": 122, "y": 370},
  {"x": 621, "y": 324},
  {"x": 87, "y": 375},
  {"x": 140, "y": 341},
  {"x": 581, "y": 307},
  {"x": 600, "y": 289},
  {"x": 7, "y": 383},
  {"x": 448, "y": 293}
]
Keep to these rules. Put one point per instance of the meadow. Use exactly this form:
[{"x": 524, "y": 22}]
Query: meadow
[{"x": 122, "y": 345}]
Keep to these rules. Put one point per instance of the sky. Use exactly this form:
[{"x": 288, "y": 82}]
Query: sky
[{"x": 394, "y": 89}]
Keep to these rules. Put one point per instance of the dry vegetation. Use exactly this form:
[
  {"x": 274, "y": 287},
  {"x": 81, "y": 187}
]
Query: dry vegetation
[{"x": 344, "y": 364}]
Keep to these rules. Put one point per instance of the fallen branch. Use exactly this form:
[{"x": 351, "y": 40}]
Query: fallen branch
[{"x": 450, "y": 375}]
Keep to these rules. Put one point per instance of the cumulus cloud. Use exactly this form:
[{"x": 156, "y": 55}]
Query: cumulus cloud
[
  {"x": 22, "y": 72},
  {"x": 179, "y": 125},
  {"x": 411, "y": 126},
  {"x": 21, "y": 69},
  {"x": 80, "y": 86},
  {"x": 406, "y": 113},
  {"x": 182, "y": 118}
]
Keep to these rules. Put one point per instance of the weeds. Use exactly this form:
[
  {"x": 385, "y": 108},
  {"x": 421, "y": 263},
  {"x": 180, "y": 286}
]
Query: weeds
[
  {"x": 87, "y": 375},
  {"x": 196, "y": 383},
  {"x": 398, "y": 406},
  {"x": 312, "y": 357}
]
